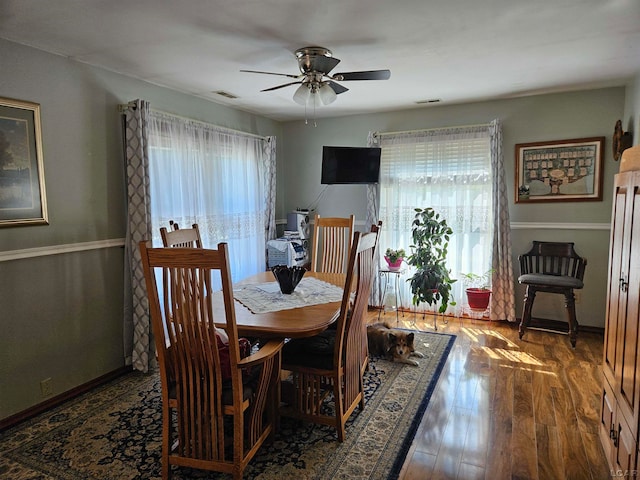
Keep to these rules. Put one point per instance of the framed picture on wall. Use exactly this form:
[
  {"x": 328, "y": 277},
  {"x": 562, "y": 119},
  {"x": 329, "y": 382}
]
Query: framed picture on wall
[
  {"x": 22, "y": 192},
  {"x": 559, "y": 171}
]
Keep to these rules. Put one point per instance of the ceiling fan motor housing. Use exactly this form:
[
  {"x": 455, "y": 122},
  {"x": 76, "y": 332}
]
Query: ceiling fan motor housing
[{"x": 315, "y": 60}]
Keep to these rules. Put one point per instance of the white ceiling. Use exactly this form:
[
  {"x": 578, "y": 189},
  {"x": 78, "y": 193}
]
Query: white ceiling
[{"x": 452, "y": 50}]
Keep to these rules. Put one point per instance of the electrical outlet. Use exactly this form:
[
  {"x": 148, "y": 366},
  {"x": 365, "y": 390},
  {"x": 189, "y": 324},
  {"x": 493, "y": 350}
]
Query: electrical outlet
[{"x": 46, "y": 388}]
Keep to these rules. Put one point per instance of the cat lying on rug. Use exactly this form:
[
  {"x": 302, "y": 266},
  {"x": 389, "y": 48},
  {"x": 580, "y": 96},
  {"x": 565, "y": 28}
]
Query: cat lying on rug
[{"x": 393, "y": 344}]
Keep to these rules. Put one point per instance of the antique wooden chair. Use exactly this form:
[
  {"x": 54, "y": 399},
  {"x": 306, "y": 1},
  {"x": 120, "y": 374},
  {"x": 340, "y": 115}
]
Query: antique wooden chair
[
  {"x": 332, "y": 238},
  {"x": 217, "y": 408},
  {"x": 552, "y": 267},
  {"x": 177, "y": 237},
  {"x": 331, "y": 362}
]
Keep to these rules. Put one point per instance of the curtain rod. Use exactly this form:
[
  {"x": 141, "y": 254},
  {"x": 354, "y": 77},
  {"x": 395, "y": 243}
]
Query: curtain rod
[
  {"x": 123, "y": 106},
  {"x": 382, "y": 134}
]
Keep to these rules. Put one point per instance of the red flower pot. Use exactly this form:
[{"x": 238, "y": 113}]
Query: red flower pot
[
  {"x": 478, "y": 299},
  {"x": 394, "y": 265}
]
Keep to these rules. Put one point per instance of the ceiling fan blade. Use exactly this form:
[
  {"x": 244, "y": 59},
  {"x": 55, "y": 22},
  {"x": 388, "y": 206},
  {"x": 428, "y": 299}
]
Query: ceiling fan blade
[
  {"x": 272, "y": 73},
  {"x": 280, "y": 86},
  {"x": 365, "y": 75},
  {"x": 319, "y": 63},
  {"x": 337, "y": 87}
]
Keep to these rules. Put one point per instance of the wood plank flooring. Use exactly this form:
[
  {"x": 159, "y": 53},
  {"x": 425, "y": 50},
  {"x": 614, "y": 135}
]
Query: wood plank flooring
[{"x": 506, "y": 408}]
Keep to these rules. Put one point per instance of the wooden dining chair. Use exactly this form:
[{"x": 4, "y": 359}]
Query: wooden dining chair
[
  {"x": 332, "y": 238},
  {"x": 375, "y": 228},
  {"x": 218, "y": 408},
  {"x": 177, "y": 237},
  {"x": 331, "y": 362}
]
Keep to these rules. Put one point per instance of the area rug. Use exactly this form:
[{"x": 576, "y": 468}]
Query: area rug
[{"x": 114, "y": 432}]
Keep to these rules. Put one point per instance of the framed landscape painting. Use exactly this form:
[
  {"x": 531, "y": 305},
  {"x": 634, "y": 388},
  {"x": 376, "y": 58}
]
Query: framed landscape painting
[
  {"x": 559, "y": 171},
  {"x": 22, "y": 192}
]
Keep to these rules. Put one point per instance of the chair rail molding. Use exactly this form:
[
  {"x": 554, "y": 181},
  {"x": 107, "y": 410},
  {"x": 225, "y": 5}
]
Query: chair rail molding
[
  {"x": 10, "y": 255},
  {"x": 58, "y": 249},
  {"x": 559, "y": 226}
]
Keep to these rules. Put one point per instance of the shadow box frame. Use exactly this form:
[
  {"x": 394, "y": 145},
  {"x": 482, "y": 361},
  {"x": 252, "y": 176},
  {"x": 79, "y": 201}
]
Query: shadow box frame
[
  {"x": 544, "y": 168},
  {"x": 23, "y": 199}
]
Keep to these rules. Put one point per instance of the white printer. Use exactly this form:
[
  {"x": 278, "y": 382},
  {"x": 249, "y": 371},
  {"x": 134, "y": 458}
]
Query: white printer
[{"x": 286, "y": 250}]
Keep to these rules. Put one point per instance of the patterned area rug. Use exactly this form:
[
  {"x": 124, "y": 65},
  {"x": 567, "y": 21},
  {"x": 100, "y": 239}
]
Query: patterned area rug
[{"x": 114, "y": 432}]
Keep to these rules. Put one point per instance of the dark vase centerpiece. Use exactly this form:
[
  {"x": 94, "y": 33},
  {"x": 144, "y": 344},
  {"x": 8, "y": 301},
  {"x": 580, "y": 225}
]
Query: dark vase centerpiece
[{"x": 288, "y": 277}]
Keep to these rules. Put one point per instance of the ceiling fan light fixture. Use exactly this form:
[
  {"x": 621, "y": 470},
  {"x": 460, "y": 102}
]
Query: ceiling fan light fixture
[
  {"x": 302, "y": 94},
  {"x": 327, "y": 94}
]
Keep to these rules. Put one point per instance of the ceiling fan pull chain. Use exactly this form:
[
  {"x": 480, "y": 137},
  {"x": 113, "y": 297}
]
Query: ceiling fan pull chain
[{"x": 314, "y": 113}]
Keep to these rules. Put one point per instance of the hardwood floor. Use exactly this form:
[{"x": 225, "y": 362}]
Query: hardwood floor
[{"x": 506, "y": 408}]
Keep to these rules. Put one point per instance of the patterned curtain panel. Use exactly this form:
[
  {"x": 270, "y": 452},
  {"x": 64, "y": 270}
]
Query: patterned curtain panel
[
  {"x": 372, "y": 219},
  {"x": 138, "y": 340},
  {"x": 503, "y": 296},
  {"x": 270, "y": 187}
]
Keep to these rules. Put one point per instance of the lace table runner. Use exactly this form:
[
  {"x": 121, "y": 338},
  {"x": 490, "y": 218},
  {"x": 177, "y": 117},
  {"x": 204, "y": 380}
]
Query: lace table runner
[{"x": 266, "y": 297}]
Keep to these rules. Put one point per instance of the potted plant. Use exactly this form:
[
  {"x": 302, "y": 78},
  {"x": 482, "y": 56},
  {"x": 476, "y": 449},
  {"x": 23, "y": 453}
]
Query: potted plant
[
  {"x": 431, "y": 283},
  {"x": 478, "y": 289},
  {"x": 394, "y": 258}
]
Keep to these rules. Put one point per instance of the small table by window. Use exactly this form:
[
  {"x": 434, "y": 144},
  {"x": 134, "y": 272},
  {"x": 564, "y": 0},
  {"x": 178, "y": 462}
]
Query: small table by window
[{"x": 393, "y": 277}]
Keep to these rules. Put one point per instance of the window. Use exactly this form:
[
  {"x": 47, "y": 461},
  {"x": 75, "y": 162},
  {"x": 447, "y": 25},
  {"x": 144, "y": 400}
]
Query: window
[
  {"x": 199, "y": 173},
  {"x": 450, "y": 171}
]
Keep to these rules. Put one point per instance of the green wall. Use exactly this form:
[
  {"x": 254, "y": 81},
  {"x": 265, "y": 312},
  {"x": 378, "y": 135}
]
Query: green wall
[
  {"x": 528, "y": 119},
  {"x": 62, "y": 313}
]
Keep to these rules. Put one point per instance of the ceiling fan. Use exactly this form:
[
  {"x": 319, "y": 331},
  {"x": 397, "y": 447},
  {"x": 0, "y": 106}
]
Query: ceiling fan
[{"x": 317, "y": 85}]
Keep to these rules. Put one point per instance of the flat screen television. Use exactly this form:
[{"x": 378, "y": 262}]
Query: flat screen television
[{"x": 350, "y": 165}]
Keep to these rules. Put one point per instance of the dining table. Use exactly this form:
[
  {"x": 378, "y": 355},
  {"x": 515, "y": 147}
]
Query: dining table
[{"x": 305, "y": 320}]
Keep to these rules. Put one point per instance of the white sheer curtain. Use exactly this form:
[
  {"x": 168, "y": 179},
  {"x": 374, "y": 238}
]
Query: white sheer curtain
[
  {"x": 449, "y": 170},
  {"x": 189, "y": 171},
  {"x": 218, "y": 178}
]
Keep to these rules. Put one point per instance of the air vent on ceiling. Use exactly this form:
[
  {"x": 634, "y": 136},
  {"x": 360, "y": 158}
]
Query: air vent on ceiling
[{"x": 222, "y": 93}]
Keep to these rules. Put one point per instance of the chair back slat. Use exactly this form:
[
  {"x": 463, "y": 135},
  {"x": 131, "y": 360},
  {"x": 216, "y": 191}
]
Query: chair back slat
[
  {"x": 348, "y": 351},
  {"x": 177, "y": 237},
  {"x": 331, "y": 243},
  {"x": 375, "y": 228}
]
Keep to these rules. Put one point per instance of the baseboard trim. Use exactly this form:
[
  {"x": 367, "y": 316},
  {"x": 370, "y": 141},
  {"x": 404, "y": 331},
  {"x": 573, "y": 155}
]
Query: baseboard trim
[
  {"x": 60, "y": 399},
  {"x": 557, "y": 326}
]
